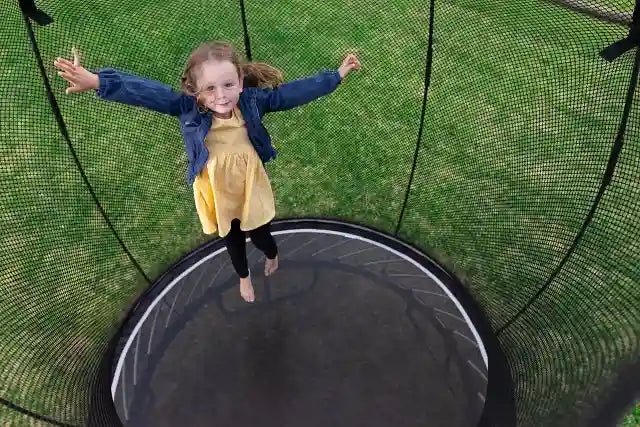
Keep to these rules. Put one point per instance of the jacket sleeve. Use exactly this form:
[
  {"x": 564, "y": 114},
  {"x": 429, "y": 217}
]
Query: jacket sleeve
[
  {"x": 126, "y": 88},
  {"x": 298, "y": 92}
]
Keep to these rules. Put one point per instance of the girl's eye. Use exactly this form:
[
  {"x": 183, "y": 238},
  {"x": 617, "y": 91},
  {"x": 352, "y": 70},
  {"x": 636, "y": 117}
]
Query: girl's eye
[
  {"x": 228, "y": 84},
  {"x": 210, "y": 88}
]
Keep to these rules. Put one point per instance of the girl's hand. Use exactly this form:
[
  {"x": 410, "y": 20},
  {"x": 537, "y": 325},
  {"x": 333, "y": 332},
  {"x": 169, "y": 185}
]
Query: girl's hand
[
  {"x": 79, "y": 78},
  {"x": 350, "y": 63}
]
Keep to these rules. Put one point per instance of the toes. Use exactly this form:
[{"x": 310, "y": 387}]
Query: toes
[
  {"x": 247, "y": 292},
  {"x": 248, "y": 296},
  {"x": 270, "y": 266}
]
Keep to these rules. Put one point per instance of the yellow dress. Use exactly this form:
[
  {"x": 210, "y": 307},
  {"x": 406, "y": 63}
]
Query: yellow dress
[{"x": 233, "y": 184}]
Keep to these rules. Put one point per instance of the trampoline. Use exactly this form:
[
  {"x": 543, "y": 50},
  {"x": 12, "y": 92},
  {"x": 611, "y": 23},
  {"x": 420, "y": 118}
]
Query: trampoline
[
  {"x": 355, "y": 328},
  {"x": 499, "y": 138}
]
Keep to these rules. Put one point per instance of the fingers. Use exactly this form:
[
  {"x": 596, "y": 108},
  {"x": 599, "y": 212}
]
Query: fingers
[
  {"x": 352, "y": 61},
  {"x": 67, "y": 76},
  {"x": 66, "y": 68},
  {"x": 76, "y": 58},
  {"x": 73, "y": 89},
  {"x": 349, "y": 63},
  {"x": 72, "y": 72},
  {"x": 64, "y": 65},
  {"x": 64, "y": 61}
]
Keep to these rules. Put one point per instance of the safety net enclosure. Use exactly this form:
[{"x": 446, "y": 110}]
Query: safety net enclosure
[{"x": 458, "y": 222}]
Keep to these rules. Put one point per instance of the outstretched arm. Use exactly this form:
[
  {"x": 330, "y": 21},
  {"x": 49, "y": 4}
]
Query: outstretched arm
[
  {"x": 304, "y": 90},
  {"x": 118, "y": 86},
  {"x": 113, "y": 85}
]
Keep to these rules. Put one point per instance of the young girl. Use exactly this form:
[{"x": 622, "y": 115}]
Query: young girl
[{"x": 220, "y": 109}]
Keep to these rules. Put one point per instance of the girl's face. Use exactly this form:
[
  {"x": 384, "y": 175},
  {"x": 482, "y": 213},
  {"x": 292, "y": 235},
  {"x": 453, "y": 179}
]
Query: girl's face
[{"x": 219, "y": 87}]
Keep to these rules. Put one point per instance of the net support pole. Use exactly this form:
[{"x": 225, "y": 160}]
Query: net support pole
[
  {"x": 245, "y": 30},
  {"x": 615, "y": 50},
  {"x": 30, "y": 9}
]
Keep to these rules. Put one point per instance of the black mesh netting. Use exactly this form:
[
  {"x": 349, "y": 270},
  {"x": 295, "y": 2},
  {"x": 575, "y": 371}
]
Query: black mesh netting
[{"x": 491, "y": 134}]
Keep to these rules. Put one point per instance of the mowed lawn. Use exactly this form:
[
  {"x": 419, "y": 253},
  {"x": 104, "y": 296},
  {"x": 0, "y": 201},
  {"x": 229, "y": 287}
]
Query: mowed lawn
[{"x": 520, "y": 120}]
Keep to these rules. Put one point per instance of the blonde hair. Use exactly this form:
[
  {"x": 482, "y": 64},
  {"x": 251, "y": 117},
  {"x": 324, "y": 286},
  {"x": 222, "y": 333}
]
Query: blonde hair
[{"x": 256, "y": 74}]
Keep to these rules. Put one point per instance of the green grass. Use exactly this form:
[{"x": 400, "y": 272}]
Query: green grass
[
  {"x": 518, "y": 129},
  {"x": 633, "y": 419},
  {"x": 616, "y": 5}
]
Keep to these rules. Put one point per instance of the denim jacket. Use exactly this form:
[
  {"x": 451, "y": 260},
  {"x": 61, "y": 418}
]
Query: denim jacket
[{"x": 254, "y": 103}]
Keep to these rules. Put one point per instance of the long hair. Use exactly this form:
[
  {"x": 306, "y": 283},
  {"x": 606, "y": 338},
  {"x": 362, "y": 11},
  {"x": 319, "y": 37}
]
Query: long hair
[{"x": 256, "y": 74}]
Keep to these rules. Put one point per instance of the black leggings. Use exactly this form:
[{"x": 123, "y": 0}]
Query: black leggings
[{"x": 237, "y": 248}]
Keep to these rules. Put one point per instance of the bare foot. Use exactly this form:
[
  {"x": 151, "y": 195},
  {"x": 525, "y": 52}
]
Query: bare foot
[
  {"x": 246, "y": 289},
  {"x": 270, "y": 266}
]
